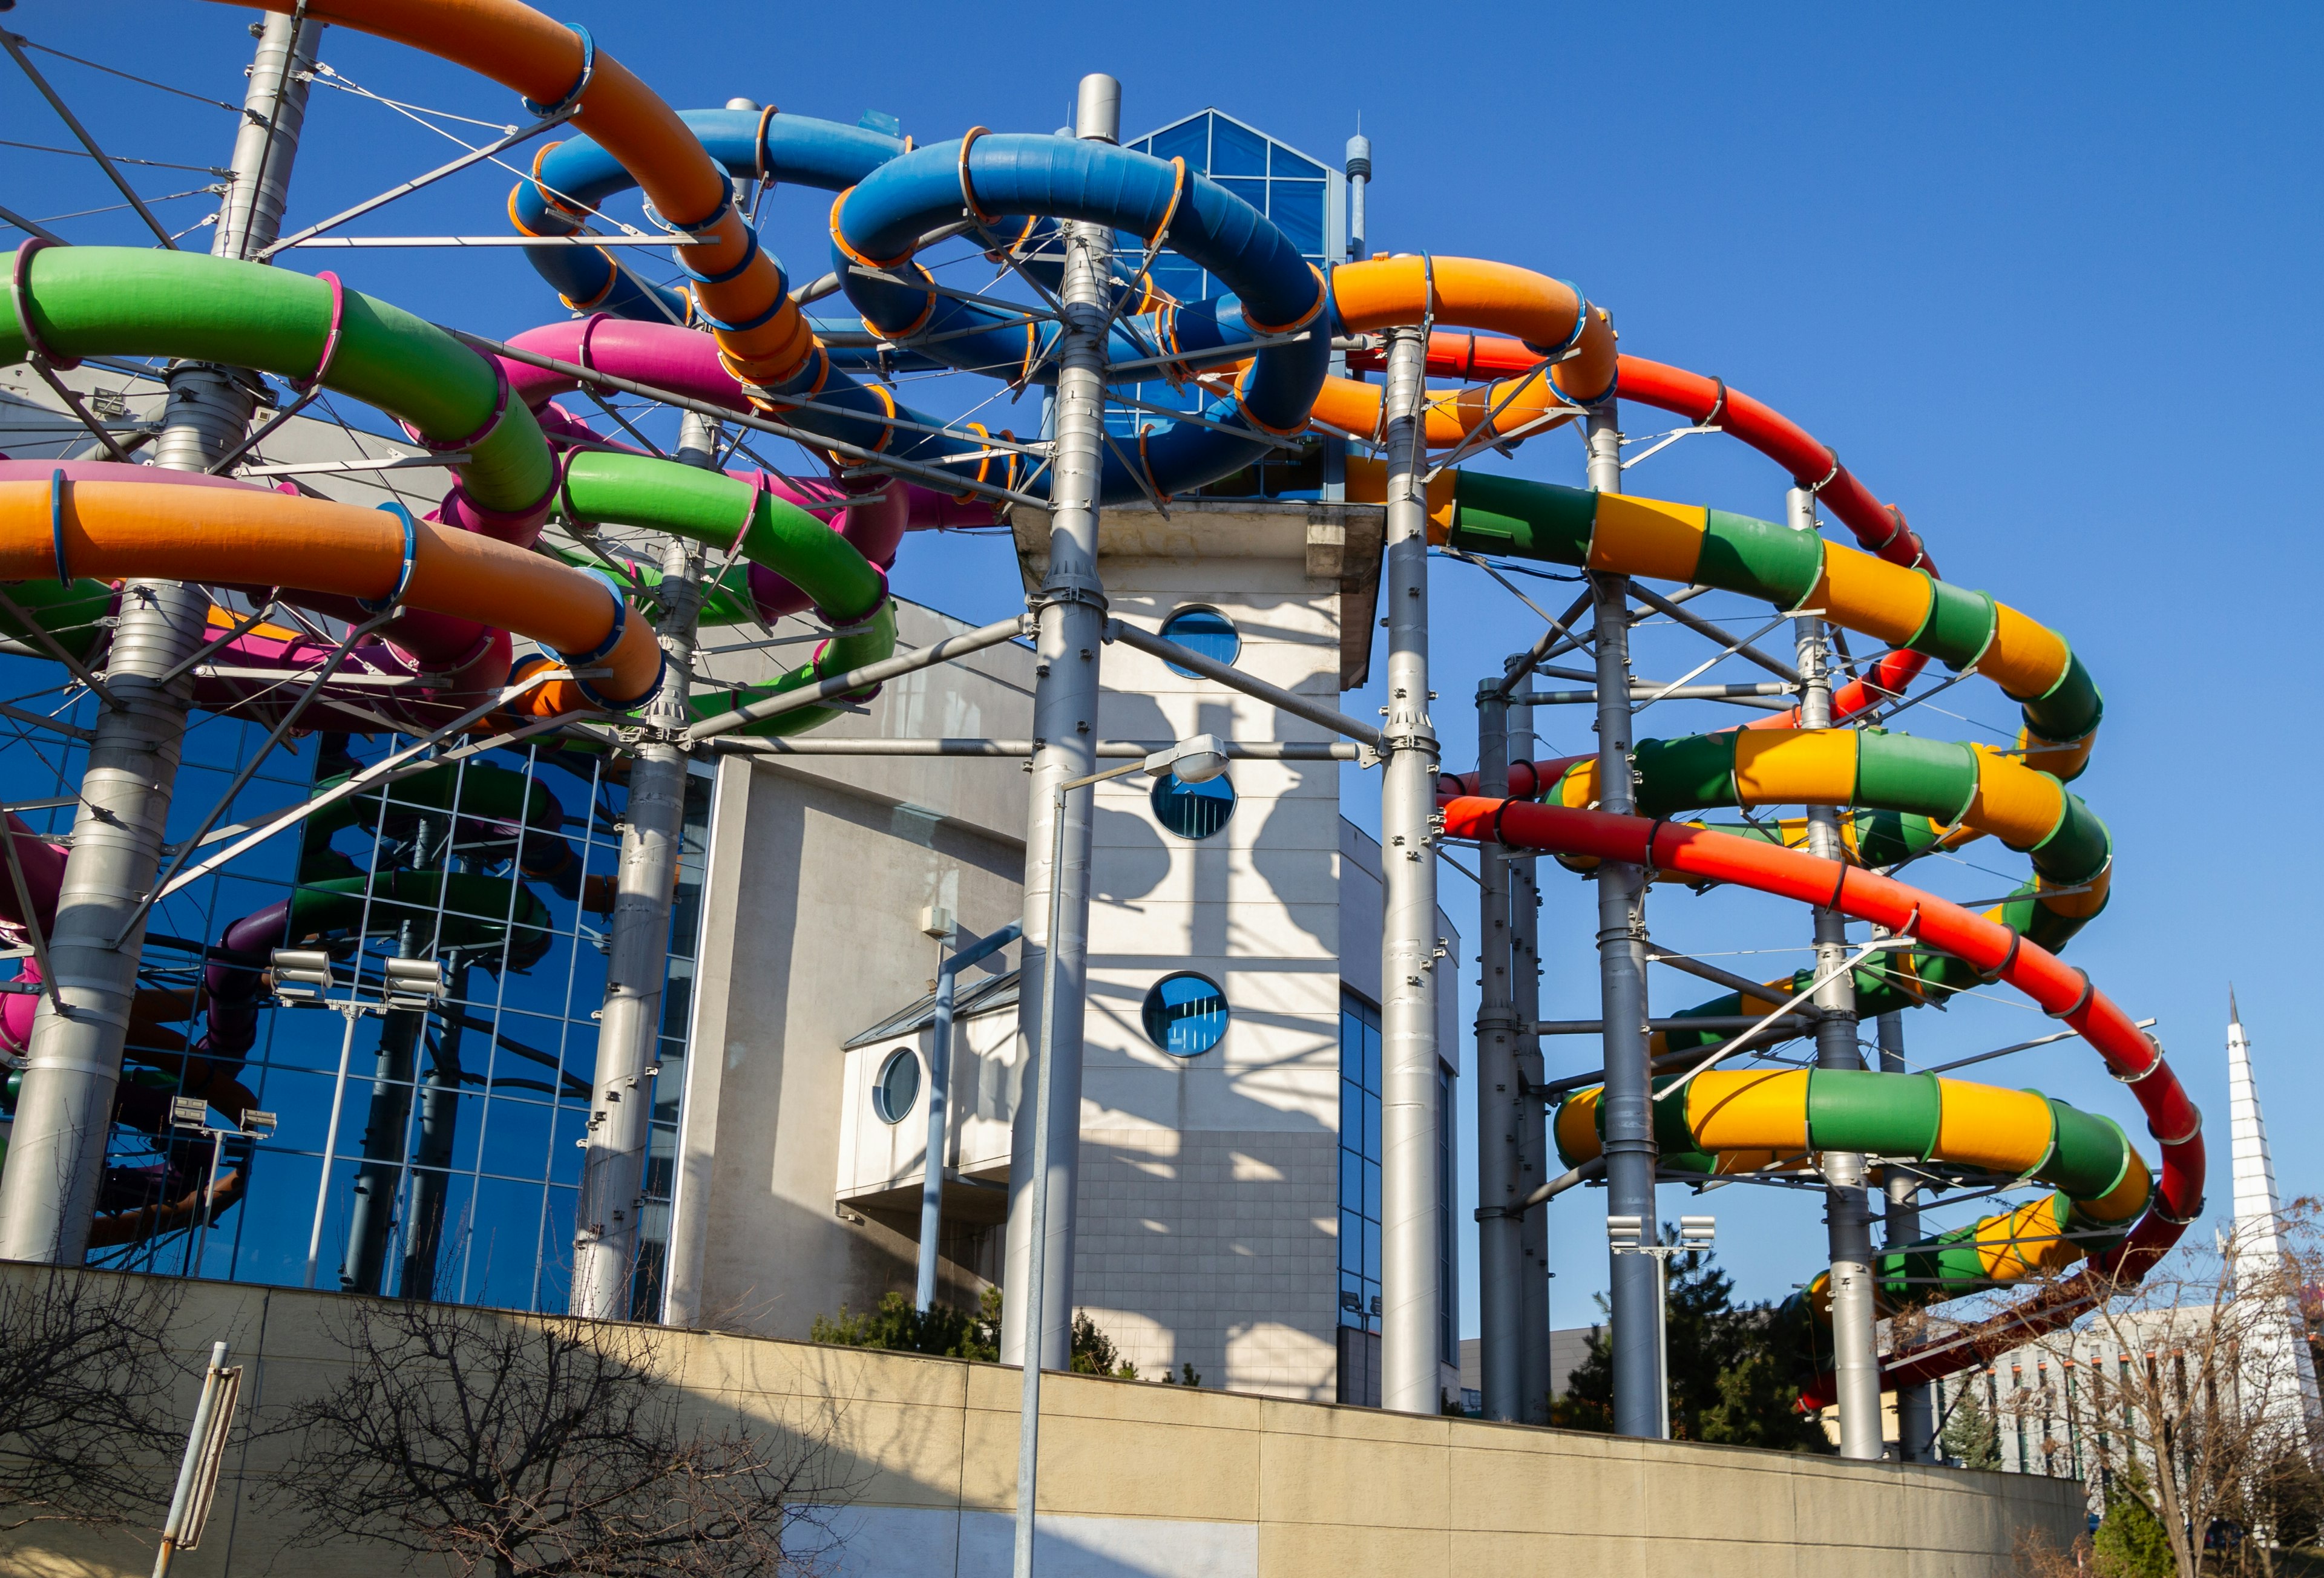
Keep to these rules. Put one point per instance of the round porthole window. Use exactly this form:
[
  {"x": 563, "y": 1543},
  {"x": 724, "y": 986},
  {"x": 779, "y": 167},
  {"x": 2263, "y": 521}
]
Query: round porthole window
[
  {"x": 898, "y": 1086},
  {"x": 1193, "y": 811},
  {"x": 1204, "y": 630},
  {"x": 1185, "y": 1014}
]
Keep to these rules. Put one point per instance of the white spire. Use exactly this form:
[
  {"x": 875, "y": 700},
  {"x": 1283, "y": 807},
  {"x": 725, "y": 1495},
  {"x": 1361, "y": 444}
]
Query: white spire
[
  {"x": 2256, "y": 1206},
  {"x": 2257, "y": 1234}
]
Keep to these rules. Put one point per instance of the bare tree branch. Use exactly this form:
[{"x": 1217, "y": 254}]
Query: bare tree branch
[
  {"x": 536, "y": 1448},
  {"x": 88, "y": 1433}
]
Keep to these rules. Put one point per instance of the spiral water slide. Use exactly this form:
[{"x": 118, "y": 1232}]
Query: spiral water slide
[
  {"x": 1905, "y": 796},
  {"x": 1261, "y": 353}
]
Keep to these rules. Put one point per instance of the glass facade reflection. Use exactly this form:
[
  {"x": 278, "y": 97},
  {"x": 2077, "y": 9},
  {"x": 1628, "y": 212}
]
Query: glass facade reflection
[
  {"x": 1359, "y": 1187},
  {"x": 422, "y": 1148},
  {"x": 1304, "y": 200}
]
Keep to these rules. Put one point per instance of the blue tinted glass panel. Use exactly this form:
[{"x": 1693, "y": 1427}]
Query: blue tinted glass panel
[
  {"x": 1236, "y": 152},
  {"x": 1185, "y": 1014},
  {"x": 1253, "y": 192},
  {"x": 1287, "y": 163},
  {"x": 1298, "y": 210},
  {"x": 1202, "y": 630},
  {"x": 1189, "y": 142},
  {"x": 1179, "y": 277},
  {"x": 1193, "y": 811}
]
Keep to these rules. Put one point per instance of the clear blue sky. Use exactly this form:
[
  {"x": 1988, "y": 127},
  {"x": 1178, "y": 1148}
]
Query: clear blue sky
[{"x": 2043, "y": 275}]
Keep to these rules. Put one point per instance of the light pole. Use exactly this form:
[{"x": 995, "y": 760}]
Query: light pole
[
  {"x": 1629, "y": 1235},
  {"x": 1195, "y": 760},
  {"x": 191, "y": 1113}
]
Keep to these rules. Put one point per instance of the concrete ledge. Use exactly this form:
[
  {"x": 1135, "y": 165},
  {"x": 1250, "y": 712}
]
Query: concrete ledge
[{"x": 1157, "y": 1482}]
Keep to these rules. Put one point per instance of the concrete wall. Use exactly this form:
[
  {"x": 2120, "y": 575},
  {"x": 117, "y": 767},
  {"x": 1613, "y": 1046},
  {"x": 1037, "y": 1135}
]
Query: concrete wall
[
  {"x": 1208, "y": 1185},
  {"x": 818, "y": 870},
  {"x": 1150, "y": 1481}
]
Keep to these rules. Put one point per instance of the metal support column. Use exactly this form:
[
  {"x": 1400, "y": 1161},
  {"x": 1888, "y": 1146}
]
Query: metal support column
[
  {"x": 64, "y": 1109},
  {"x": 1412, "y": 1216},
  {"x": 1630, "y": 1150},
  {"x": 1070, "y": 609},
  {"x": 1916, "y": 1420},
  {"x": 1360, "y": 177},
  {"x": 1847, "y": 1214},
  {"x": 637, "y": 961},
  {"x": 1535, "y": 1380},
  {"x": 1501, "y": 1099}
]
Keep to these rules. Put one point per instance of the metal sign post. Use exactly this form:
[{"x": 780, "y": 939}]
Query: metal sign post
[{"x": 197, "y": 1475}]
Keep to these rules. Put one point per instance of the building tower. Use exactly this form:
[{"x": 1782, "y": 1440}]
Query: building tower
[{"x": 2258, "y": 1230}]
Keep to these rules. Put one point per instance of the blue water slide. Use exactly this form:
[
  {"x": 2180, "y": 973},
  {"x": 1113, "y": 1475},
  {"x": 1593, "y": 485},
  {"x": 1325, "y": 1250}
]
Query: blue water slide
[
  {"x": 1038, "y": 178},
  {"x": 1015, "y": 177},
  {"x": 797, "y": 150}
]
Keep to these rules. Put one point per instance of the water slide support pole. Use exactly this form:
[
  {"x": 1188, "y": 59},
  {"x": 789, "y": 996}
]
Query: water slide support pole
[
  {"x": 605, "y": 1245},
  {"x": 1846, "y": 1216},
  {"x": 1360, "y": 177},
  {"x": 1070, "y": 635},
  {"x": 1500, "y": 1096},
  {"x": 1629, "y": 1147},
  {"x": 1915, "y": 1418},
  {"x": 1535, "y": 1381},
  {"x": 939, "y": 1098},
  {"x": 1412, "y": 1218},
  {"x": 64, "y": 1112}
]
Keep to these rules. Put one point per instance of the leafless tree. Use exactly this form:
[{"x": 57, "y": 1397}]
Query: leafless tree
[
  {"x": 2181, "y": 1395},
  {"x": 537, "y": 1447},
  {"x": 87, "y": 1432}
]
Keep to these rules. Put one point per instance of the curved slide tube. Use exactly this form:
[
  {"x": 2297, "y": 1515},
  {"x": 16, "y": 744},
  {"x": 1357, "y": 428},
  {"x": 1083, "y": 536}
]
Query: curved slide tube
[
  {"x": 1880, "y": 528},
  {"x": 136, "y": 528},
  {"x": 1766, "y": 1120},
  {"x": 739, "y": 288},
  {"x": 1910, "y": 608},
  {"x": 1985, "y": 945},
  {"x": 1004, "y": 176}
]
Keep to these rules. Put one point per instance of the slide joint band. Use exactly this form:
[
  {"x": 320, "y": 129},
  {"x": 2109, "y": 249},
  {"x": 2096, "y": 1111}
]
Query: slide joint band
[
  {"x": 303, "y": 387},
  {"x": 580, "y": 84},
  {"x": 403, "y": 574}
]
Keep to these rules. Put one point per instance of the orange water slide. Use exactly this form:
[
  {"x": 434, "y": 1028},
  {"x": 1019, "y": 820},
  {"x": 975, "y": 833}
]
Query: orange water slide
[
  {"x": 738, "y": 289},
  {"x": 246, "y": 537},
  {"x": 1564, "y": 344}
]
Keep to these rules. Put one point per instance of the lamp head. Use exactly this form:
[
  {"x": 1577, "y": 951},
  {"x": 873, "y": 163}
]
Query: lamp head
[{"x": 1197, "y": 759}]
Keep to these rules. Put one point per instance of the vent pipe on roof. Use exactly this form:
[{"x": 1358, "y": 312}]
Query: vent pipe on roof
[{"x": 1098, "y": 115}]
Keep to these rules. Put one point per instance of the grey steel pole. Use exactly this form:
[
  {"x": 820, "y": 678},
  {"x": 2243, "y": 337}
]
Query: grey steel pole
[
  {"x": 1412, "y": 1216},
  {"x": 1038, "y": 1202},
  {"x": 1360, "y": 177},
  {"x": 266, "y": 143},
  {"x": 1917, "y": 1421},
  {"x": 387, "y": 1119},
  {"x": 64, "y": 1109},
  {"x": 1500, "y": 1095},
  {"x": 1630, "y": 1150},
  {"x": 1848, "y": 1221},
  {"x": 628, "y": 1027},
  {"x": 1070, "y": 614},
  {"x": 1535, "y": 1380},
  {"x": 932, "y": 1170}
]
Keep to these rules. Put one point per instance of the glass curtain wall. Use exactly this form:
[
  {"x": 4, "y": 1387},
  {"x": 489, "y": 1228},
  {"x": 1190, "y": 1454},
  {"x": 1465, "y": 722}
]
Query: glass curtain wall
[
  {"x": 1303, "y": 198},
  {"x": 421, "y": 1147},
  {"x": 1359, "y": 1205}
]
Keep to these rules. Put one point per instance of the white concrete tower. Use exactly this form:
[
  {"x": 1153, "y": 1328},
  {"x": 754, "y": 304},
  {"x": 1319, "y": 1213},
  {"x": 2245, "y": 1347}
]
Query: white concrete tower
[{"x": 2258, "y": 1236}]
